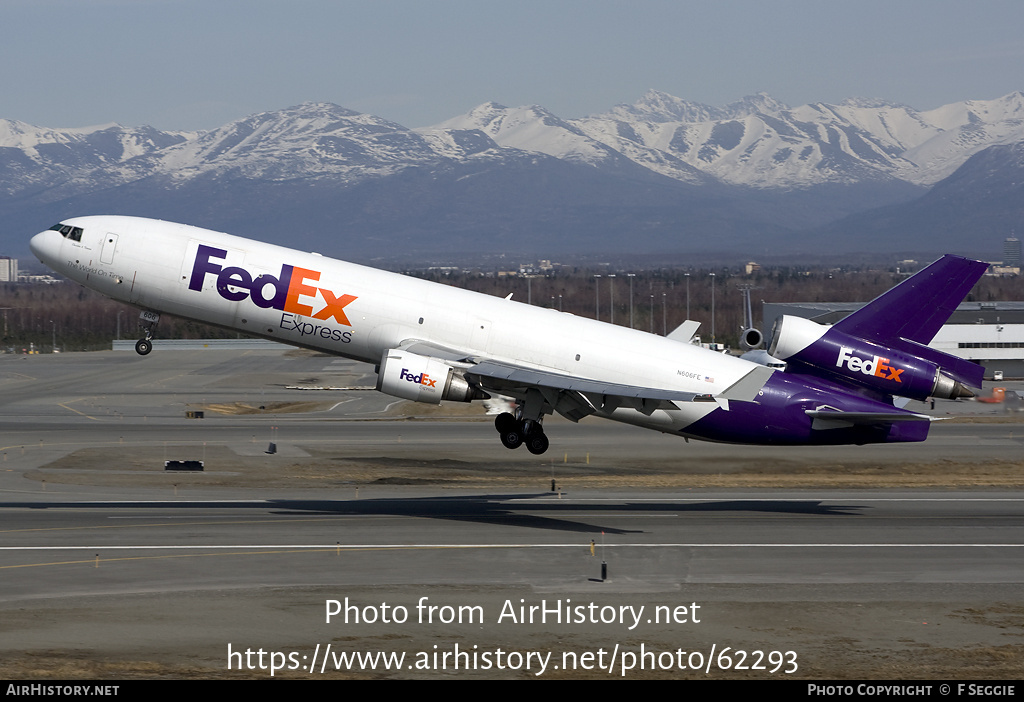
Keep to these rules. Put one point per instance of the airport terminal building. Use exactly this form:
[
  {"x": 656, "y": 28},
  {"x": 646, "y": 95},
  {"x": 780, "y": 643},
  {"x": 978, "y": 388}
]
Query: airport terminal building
[{"x": 989, "y": 333}]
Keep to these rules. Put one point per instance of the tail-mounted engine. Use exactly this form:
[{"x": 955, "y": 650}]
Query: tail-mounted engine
[
  {"x": 423, "y": 379},
  {"x": 829, "y": 351},
  {"x": 751, "y": 338}
]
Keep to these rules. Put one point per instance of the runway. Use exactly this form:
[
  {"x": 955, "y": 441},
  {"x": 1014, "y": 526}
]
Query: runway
[{"x": 110, "y": 565}]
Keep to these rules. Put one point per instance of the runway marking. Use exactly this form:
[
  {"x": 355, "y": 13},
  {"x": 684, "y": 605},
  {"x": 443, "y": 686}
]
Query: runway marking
[
  {"x": 301, "y": 548},
  {"x": 783, "y": 498},
  {"x": 526, "y": 514},
  {"x": 72, "y": 409},
  {"x": 152, "y": 558},
  {"x": 546, "y": 500},
  {"x": 220, "y": 551},
  {"x": 21, "y": 375},
  {"x": 191, "y": 524}
]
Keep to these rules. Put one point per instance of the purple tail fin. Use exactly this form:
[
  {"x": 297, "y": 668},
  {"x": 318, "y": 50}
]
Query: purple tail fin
[
  {"x": 883, "y": 345},
  {"x": 916, "y": 308},
  {"x": 909, "y": 316}
]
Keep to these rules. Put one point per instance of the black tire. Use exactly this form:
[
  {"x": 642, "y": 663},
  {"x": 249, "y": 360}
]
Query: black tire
[
  {"x": 143, "y": 346},
  {"x": 512, "y": 439},
  {"x": 506, "y": 422},
  {"x": 537, "y": 443}
]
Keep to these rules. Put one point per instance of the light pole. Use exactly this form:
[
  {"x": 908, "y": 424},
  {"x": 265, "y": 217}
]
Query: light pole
[
  {"x": 652, "y": 313},
  {"x": 687, "y": 295},
  {"x": 611, "y": 296},
  {"x": 631, "y": 276},
  {"x": 712, "y": 308},
  {"x": 664, "y": 315},
  {"x": 597, "y": 297}
]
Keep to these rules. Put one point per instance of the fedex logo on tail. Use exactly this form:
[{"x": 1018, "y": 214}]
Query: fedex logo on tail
[
  {"x": 284, "y": 292},
  {"x": 876, "y": 366}
]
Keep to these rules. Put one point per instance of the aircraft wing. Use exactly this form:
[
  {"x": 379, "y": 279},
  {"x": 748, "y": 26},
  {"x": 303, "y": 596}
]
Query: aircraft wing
[
  {"x": 572, "y": 397},
  {"x": 509, "y": 373},
  {"x": 575, "y": 397}
]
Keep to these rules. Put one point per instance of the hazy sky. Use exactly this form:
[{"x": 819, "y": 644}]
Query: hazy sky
[{"x": 189, "y": 64}]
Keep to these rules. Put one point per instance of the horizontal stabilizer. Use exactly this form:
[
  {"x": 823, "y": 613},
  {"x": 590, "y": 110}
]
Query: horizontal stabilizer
[
  {"x": 685, "y": 332},
  {"x": 833, "y": 419},
  {"x": 747, "y": 388}
]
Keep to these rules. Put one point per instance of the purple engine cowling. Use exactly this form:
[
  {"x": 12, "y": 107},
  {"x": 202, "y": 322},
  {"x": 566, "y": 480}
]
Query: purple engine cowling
[{"x": 810, "y": 347}]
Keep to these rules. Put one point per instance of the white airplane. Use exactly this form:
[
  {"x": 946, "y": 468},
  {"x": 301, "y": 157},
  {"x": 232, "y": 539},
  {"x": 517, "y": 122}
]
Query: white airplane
[{"x": 431, "y": 342}]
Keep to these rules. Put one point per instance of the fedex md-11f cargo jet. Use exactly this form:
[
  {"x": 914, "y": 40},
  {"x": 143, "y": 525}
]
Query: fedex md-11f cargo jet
[{"x": 842, "y": 384}]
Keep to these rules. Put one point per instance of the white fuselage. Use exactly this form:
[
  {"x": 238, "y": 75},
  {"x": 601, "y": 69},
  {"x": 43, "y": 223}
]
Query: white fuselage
[{"x": 359, "y": 312}]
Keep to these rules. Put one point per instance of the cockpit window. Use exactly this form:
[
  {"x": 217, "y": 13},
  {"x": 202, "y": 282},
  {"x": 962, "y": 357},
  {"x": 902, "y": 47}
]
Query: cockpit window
[{"x": 67, "y": 231}]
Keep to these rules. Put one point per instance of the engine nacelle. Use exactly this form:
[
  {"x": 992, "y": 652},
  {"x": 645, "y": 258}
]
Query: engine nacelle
[
  {"x": 751, "y": 338},
  {"x": 423, "y": 379},
  {"x": 831, "y": 352}
]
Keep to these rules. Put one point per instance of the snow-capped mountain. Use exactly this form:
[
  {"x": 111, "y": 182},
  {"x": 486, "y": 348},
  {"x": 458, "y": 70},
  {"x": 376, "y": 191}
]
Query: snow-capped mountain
[
  {"x": 535, "y": 129},
  {"x": 756, "y": 142},
  {"x": 760, "y": 142},
  {"x": 306, "y": 141},
  {"x": 661, "y": 174},
  {"x": 34, "y": 158},
  {"x": 984, "y": 195}
]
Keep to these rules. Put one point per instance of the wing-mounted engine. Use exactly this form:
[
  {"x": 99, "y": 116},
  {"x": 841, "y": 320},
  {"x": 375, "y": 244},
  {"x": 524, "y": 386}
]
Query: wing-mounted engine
[
  {"x": 809, "y": 347},
  {"x": 424, "y": 379}
]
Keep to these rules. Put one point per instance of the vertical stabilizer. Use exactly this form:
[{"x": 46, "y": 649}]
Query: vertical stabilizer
[{"x": 916, "y": 308}]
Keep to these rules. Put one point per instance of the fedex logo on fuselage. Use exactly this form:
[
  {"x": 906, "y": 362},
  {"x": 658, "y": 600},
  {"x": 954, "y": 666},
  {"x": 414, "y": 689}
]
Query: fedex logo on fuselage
[
  {"x": 283, "y": 292},
  {"x": 876, "y": 366}
]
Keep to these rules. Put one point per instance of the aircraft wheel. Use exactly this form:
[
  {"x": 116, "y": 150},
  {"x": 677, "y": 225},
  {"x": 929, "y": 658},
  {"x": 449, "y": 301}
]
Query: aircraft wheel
[
  {"x": 505, "y": 422},
  {"x": 143, "y": 346},
  {"x": 512, "y": 439},
  {"x": 537, "y": 443}
]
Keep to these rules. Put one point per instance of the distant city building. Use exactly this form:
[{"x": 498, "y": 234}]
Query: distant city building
[
  {"x": 752, "y": 267},
  {"x": 1011, "y": 252},
  {"x": 8, "y": 269}
]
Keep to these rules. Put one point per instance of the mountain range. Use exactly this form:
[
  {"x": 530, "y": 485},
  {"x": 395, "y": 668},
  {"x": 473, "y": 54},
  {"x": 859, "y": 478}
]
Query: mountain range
[{"x": 662, "y": 176}]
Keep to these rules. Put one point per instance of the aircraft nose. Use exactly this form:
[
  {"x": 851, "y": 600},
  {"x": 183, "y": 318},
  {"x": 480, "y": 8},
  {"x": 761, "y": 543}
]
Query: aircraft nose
[{"x": 46, "y": 245}]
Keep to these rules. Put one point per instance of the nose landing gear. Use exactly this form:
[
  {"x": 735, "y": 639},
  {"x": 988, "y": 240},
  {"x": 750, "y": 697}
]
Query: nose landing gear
[{"x": 148, "y": 322}]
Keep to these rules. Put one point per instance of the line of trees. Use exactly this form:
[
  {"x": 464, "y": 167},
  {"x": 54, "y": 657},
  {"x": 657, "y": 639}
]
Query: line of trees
[
  {"x": 660, "y": 298},
  {"x": 74, "y": 318}
]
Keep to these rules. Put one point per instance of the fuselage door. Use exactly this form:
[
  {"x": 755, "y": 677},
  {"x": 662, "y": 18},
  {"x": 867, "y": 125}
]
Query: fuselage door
[{"x": 107, "y": 250}]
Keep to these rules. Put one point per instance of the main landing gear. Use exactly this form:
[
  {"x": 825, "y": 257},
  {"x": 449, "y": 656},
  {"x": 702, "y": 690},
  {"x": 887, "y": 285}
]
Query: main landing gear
[{"x": 516, "y": 432}]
